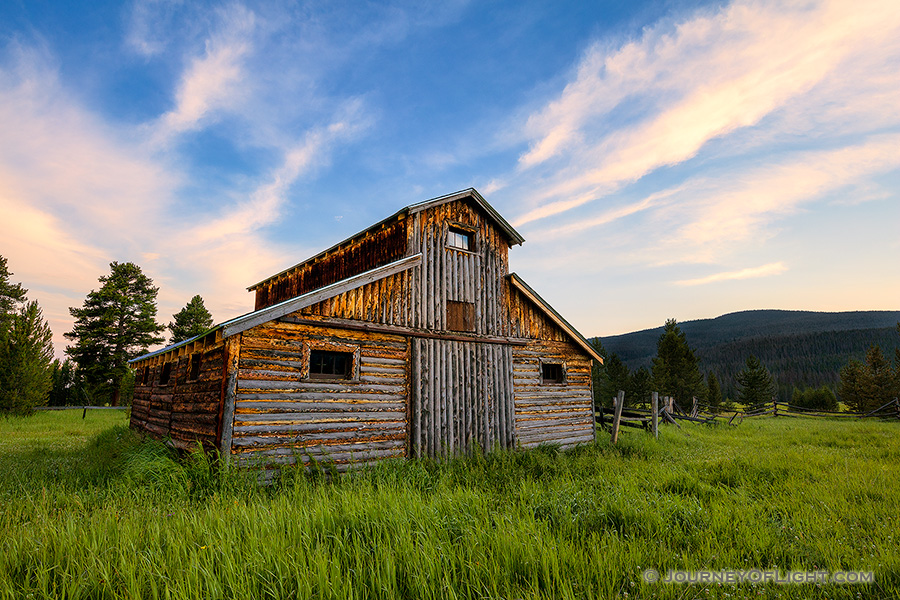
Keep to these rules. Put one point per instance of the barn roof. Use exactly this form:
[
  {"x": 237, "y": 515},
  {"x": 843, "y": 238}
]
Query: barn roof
[
  {"x": 276, "y": 311},
  {"x": 554, "y": 316},
  {"x": 513, "y": 236}
]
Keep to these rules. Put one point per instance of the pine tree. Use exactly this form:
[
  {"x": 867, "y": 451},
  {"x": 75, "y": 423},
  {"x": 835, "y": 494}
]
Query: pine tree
[
  {"x": 115, "y": 323},
  {"x": 878, "y": 380},
  {"x": 713, "y": 392},
  {"x": 617, "y": 379},
  {"x": 756, "y": 385},
  {"x": 676, "y": 370},
  {"x": 11, "y": 296},
  {"x": 599, "y": 378},
  {"x": 66, "y": 389},
  {"x": 852, "y": 386},
  {"x": 640, "y": 386},
  {"x": 26, "y": 351},
  {"x": 190, "y": 321}
]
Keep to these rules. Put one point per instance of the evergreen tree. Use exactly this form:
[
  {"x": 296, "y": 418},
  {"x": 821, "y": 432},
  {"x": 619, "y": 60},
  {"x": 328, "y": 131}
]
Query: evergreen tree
[
  {"x": 755, "y": 384},
  {"x": 115, "y": 323},
  {"x": 599, "y": 377},
  {"x": 878, "y": 379},
  {"x": 66, "y": 389},
  {"x": 11, "y": 296},
  {"x": 676, "y": 370},
  {"x": 617, "y": 378},
  {"x": 640, "y": 387},
  {"x": 852, "y": 386},
  {"x": 713, "y": 392},
  {"x": 190, "y": 321},
  {"x": 26, "y": 351}
]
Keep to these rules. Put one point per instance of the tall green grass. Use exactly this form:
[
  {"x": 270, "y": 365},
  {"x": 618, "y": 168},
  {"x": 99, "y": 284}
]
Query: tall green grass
[{"x": 114, "y": 516}]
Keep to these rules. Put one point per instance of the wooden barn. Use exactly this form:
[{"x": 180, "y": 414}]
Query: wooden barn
[{"x": 410, "y": 338}]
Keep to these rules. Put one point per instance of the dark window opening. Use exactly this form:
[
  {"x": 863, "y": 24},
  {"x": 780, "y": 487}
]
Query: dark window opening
[
  {"x": 326, "y": 364},
  {"x": 195, "y": 367},
  {"x": 460, "y": 316},
  {"x": 165, "y": 374},
  {"x": 145, "y": 375},
  {"x": 552, "y": 373},
  {"x": 459, "y": 238}
]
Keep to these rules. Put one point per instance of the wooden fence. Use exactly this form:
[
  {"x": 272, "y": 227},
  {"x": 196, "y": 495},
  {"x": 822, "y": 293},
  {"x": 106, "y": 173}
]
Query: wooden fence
[
  {"x": 669, "y": 412},
  {"x": 83, "y": 409}
]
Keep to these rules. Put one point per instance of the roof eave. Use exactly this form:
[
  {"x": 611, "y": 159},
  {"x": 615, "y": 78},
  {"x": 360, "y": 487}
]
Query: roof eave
[{"x": 557, "y": 318}]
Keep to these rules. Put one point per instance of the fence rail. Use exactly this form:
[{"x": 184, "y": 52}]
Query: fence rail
[
  {"x": 669, "y": 412},
  {"x": 83, "y": 409}
]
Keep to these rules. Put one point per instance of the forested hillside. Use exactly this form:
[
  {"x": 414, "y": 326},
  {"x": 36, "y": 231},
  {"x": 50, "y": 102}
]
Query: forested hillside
[{"x": 800, "y": 349}]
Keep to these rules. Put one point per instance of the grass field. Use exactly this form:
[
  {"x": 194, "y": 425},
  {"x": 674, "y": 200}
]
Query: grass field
[{"x": 88, "y": 510}]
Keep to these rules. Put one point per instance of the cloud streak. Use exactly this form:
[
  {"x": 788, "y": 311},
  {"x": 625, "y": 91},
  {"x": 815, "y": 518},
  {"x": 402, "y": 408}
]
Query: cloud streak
[
  {"x": 768, "y": 270},
  {"x": 214, "y": 81},
  {"x": 683, "y": 85}
]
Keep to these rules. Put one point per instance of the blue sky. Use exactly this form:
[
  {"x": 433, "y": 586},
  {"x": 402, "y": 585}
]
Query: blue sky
[{"x": 662, "y": 159}]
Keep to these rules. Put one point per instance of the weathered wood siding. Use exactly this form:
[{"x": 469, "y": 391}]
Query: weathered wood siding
[
  {"x": 452, "y": 274},
  {"x": 461, "y": 397},
  {"x": 546, "y": 412},
  {"x": 281, "y": 416},
  {"x": 374, "y": 249},
  {"x": 183, "y": 410},
  {"x": 385, "y": 301}
]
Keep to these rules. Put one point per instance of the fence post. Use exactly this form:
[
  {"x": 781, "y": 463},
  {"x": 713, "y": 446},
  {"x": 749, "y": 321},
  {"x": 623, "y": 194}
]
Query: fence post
[
  {"x": 774, "y": 406},
  {"x": 694, "y": 407},
  {"x": 654, "y": 409},
  {"x": 620, "y": 401},
  {"x": 84, "y": 414}
]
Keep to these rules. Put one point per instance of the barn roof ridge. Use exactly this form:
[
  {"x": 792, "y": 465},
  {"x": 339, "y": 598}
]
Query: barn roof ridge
[
  {"x": 557, "y": 318},
  {"x": 514, "y": 236}
]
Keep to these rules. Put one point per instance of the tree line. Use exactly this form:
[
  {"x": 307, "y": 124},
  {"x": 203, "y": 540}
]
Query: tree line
[
  {"x": 675, "y": 371},
  {"x": 115, "y": 323}
]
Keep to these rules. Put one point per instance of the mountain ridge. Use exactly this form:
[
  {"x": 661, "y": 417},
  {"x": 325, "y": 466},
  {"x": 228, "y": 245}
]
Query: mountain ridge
[{"x": 800, "y": 348}]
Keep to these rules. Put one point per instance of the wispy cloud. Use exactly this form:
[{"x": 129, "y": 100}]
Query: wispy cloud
[
  {"x": 768, "y": 270},
  {"x": 216, "y": 80},
  {"x": 659, "y": 100}
]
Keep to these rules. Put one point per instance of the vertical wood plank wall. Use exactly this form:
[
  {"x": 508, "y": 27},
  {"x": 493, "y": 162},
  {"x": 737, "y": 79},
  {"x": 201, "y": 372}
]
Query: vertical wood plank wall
[
  {"x": 280, "y": 416},
  {"x": 185, "y": 411},
  {"x": 461, "y": 397}
]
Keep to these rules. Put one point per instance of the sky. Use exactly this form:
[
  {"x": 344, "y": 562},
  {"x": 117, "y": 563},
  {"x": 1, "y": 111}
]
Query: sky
[{"x": 663, "y": 158}]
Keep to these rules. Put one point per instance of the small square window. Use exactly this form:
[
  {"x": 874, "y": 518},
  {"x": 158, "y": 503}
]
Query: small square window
[
  {"x": 460, "y": 316},
  {"x": 552, "y": 373},
  {"x": 195, "y": 367},
  {"x": 459, "y": 238},
  {"x": 327, "y": 364},
  {"x": 165, "y": 374}
]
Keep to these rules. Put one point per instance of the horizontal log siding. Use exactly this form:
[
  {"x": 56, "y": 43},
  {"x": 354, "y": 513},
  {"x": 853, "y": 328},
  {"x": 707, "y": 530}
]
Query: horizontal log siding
[
  {"x": 373, "y": 249},
  {"x": 462, "y": 397},
  {"x": 552, "y": 413},
  {"x": 185, "y": 411},
  {"x": 548, "y": 413},
  {"x": 280, "y": 418}
]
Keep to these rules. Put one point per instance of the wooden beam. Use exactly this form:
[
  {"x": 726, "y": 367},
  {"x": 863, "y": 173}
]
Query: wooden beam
[
  {"x": 620, "y": 401},
  {"x": 405, "y": 331},
  {"x": 281, "y": 309}
]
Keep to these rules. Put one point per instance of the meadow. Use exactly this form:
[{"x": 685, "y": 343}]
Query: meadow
[{"x": 88, "y": 509}]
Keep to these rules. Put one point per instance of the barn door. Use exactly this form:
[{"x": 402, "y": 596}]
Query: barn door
[{"x": 461, "y": 397}]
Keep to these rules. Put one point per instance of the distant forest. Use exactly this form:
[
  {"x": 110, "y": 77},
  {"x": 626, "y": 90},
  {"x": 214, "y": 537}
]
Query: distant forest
[{"x": 800, "y": 349}]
